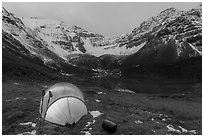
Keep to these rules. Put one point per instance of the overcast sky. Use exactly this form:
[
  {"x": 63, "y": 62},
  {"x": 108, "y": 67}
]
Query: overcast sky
[{"x": 109, "y": 19}]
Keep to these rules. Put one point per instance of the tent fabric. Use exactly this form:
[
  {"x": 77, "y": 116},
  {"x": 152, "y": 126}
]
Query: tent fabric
[{"x": 63, "y": 103}]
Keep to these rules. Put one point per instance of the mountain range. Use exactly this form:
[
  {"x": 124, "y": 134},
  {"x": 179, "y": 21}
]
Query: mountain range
[{"x": 169, "y": 43}]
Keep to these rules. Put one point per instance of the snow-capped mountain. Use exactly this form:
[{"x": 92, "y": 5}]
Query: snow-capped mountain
[
  {"x": 171, "y": 28},
  {"x": 64, "y": 40},
  {"x": 14, "y": 28},
  {"x": 170, "y": 36}
]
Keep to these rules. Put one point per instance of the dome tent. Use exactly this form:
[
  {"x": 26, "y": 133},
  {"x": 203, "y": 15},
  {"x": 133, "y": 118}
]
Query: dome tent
[{"x": 62, "y": 104}]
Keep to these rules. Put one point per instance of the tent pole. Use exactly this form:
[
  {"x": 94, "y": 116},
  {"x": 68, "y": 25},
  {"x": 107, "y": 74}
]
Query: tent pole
[
  {"x": 50, "y": 95},
  {"x": 42, "y": 99}
]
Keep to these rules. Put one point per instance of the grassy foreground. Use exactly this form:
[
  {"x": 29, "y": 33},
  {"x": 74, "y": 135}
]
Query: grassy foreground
[{"x": 134, "y": 113}]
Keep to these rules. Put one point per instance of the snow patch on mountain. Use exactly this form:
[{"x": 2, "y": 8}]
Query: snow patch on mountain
[
  {"x": 110, "y": 49},
  {"x": 35, "y": 22}
]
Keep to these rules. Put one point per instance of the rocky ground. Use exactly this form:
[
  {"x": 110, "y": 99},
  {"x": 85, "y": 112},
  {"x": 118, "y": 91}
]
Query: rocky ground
[{"x": 134, "y": 113}]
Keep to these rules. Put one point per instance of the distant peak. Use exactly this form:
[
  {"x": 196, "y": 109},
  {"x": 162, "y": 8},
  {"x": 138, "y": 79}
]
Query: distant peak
[
  {"x": 169, "y": 10},
  {"x": 172, "y": 9},
  {"x": 75, "y": 27}
]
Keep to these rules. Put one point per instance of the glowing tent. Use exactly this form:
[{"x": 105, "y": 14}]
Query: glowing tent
[{"x": 62, "y": 104}]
